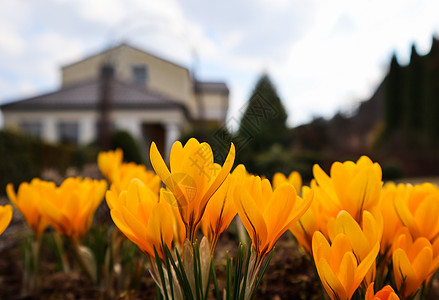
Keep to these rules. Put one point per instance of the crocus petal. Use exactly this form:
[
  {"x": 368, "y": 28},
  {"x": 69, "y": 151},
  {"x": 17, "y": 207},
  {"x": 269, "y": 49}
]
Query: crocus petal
[
  {"x": 426, "y": 216},
  {"x": 366, "y": 264},
  {"x": 403, "y": 271},
  {"x": 162, "y": 171},
  {"x": 160, "y": 230},
  {"x": 251, "y": 218},
  {"x": 5, "y": 217},
  {"x": 346, "y": 273},
  {"x": 330, "y": 281},
  {"x": 279, "y": 208},
  {"x": 406, "y": 217},
  {"x": 219, "y": 179}
]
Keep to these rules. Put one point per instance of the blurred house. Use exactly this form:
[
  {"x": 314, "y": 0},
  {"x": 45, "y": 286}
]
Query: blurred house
[{"x": 150, "y": 97}]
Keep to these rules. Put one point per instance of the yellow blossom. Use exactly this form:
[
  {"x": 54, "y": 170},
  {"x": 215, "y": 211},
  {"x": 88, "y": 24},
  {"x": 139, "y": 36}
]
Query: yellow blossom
[
  {"x": 221, "y": 209},
  {"x": 143, "y": 217},
  {"x": 27, "y": 201},
  {"x": 126, "y": 172},
  {"x": 193, "y": 178},
  {"x": 340, "y": 271},
  {"x": 363, "y": 238},
  {"x": 294, "y": 178},
  {"x": 418, "y": 208},
  {"x": 70, "y": 207},
  {"x": 5, "y": 217},
  {"x": 391, "y": 221},
  {"x": 309, "y": 223},
  {"x": 353, "y": 187},
  {"x": 413, "y": 261},
  {"x": 386, "y": 293},
  {"x": 120, "y": 174},
  {"x": 109, "y": 161},
  {"x": 267, "y": 214}
]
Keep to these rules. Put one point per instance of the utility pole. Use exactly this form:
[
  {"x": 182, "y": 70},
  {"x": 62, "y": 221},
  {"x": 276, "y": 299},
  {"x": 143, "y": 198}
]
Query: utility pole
[{"x": 105, "y": 105}]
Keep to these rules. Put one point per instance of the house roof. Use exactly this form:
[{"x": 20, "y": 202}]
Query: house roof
[
  {"x": 213, "y": 87},
  {"x": 87, "y": 96},
  {"x": 120, "y": 46}
]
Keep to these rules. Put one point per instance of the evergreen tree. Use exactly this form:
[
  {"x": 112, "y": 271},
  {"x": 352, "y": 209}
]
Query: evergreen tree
[
  {"x": 393, "y": 107},
  {"x": 431, "y": 107},
  {"x": 264, "y": 120},
  {"x": 413, "y": 98},
  {"x": 262, "y": 130}
]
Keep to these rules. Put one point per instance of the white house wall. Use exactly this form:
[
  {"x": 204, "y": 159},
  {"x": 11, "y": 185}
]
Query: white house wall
[{"x": 129, "y": 120}]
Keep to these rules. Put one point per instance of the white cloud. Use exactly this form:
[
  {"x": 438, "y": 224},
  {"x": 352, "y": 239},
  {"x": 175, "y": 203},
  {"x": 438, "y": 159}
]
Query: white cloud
[{"x": 322, "y": 55}]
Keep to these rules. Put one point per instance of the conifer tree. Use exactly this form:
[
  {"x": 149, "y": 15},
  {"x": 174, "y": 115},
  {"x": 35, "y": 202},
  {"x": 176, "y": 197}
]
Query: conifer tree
[
  {"x": 393, "y": 105},
  {"x": 264, "y": 120}
]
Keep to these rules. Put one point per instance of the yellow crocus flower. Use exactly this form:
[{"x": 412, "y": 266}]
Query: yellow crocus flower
[
  {"x": 70, "y": 207},
  {"x": 353, "y": 187},
  {"x": 418, "y": 208},
  {"x": 123, "y": 174},
  {"x": 267, "y": 214},
  {"x": 143, "y": 217},
  {"x": 193, "y": 178},
  {"x": 294, "y": 178},
  {"x": 363, "y": 238},
  {"x": 109, "y": 161},
  {"x": 386, "y": 293},
  {"x": 221, "y": 209},
  {"x": 340, "y": 271},
  {"x": 413, "y": 261},
  {"x": 27, "y": 201},
  {"x": 391, "y": 221},
  {"x": 5, "y": 217},
  {"x": 120, "y": 174},
  {"x": 309, "y": 223}
]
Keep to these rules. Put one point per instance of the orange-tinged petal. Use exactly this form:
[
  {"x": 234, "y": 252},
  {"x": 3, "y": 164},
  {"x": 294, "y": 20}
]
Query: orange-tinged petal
[
  {"x": 340, "y": 245},
  {"x": 160, "y": 230},
  {"x": 406, "y": 217},
  {"x": 252, "y": 218},
  {"x": 422, "y": 263},
  {"x": 386, "y": 293},
  {"x": 219, "y": 179},
  {"x": 330, "y": 281},
  {"x": 426, "y": 216},
  {"x": 296, "y": 180},
  {"x": 345, "y": 223},
  {"x": 320, "y": 246},
  {"x": 120, "y": 222},
  {"x": 5, "y": 217},
  {"x": 176, "y": 157},
  {"x": 341, "y": 177},
  {"x": 278, "y": 179},
  {"x": 111, "y": 199},
  {"x": 403, "y": 272},
  {"x": 366, "y": 264},
  {"x": 363, "y": 193},
  {"x": 279, "y": 208},
  {"x": 346, "y": 273},
  {"x": 162, "y": 171},
  {"x": 323, "y": 179}
]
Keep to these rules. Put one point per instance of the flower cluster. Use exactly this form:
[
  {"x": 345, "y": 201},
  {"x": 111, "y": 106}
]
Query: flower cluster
[{"x": 367, "y": 240}]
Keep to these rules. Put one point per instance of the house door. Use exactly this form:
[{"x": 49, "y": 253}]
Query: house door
[{"x": 153, "y": 133}]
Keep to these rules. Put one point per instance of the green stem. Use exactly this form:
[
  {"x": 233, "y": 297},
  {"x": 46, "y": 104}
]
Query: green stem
[
  {"x": 82, "y": 262},
  {"x": 61, "y": 253}
]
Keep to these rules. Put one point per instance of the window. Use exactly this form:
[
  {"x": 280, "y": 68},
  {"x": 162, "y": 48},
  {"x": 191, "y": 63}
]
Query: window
[
  {"x": 68, "y": 132},
  {"x": 140, "y": 74},
  {"x": 34, "y": 128}
]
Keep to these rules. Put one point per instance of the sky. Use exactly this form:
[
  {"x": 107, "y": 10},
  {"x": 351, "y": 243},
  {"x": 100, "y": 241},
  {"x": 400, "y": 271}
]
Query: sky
[{"x": 323, "y": 56}]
